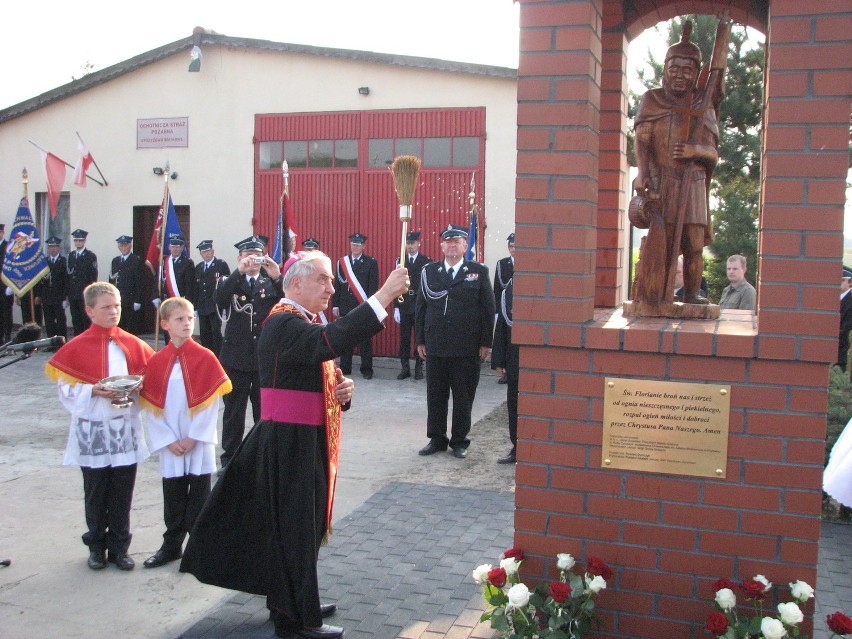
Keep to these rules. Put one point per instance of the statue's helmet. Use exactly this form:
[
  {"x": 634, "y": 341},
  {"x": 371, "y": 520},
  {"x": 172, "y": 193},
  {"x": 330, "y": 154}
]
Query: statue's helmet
[{"x": 685, "y": 48}]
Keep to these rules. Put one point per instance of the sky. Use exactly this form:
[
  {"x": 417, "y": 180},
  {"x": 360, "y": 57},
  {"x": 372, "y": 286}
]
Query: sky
[{"x": 41, "y": 54}]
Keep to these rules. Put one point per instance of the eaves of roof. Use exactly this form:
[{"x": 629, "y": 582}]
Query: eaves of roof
[{"x": 155, "y": 55}]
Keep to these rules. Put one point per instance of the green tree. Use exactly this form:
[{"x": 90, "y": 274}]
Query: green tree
[{"x": 735, "y": 187}]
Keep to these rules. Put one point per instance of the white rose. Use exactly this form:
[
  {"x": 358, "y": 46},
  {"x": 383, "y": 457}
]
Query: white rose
[
  {"x": 772, "y": 628},
  {"x": 790, "y": 613},
  {"x": 519, "y": 596},
  {"x": 801, "y": 591},
  {"x": 726, "y": 598},
  {"x": 510, "y": 565},
  {"x": 595, "y": 585},
  {"x": 767, "y": 584},
  {"x": 480, "y": 573},
  {"x": 564, "y": 561}
]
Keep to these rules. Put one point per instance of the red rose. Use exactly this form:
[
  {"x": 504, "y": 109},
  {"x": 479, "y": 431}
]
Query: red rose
[
  {"x": 595, "y": 566},
  {"x": 497, "y": 577},
  {"x": 723, "y": 583},
  {"x": 560, "y": 591},
  {"x": 839, "y": 623},
  {"x": 717, "y": 623},
  {"x": 516, "y": 553},
  {"x": 753, "y": 589}
]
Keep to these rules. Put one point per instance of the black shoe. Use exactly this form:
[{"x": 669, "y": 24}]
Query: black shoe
[
  {"x": 503, "y": 380},
  {"x": 405, "y": 374},
  {"x": 323, "y": 632},
  {"x": 418, "y": 373},
  {"x": 162, "y": 557},
  {"x": 367, "y": 374},
  {"x": 509, "y": 458},
  {"x": 326, "y": 610},
  {"x": 459, "y": 453},
  {"x": 432, "y": 447},
  {"x": 122, "y": 561},
  {"x": 97, "y": 560}
]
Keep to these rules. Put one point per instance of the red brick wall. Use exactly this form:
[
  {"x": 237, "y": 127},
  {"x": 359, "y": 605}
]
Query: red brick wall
[{"x": 669, "y": 537}]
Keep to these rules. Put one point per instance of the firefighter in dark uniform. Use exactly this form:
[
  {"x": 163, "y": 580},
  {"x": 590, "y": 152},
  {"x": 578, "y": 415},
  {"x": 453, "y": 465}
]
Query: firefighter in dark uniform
[
  {"x": 6, "y": 297},
  {"x": 82, "y": 271},
  {"x": 54, "y": 292},
  {"x": 455, "y": 325},
  {"x": 126, "y": 275},
  {"x": 347, "y": 297},
  {"x": 210, "y": 273},
  {"x": 404, "y": 310},
  {"x": 246, "y": 297},
  {"x": 177, "y": 278},
  {"x": 505, "y": 358},
  {"x": 183, "y": 283},
  {"x": 503, "y": 274}
]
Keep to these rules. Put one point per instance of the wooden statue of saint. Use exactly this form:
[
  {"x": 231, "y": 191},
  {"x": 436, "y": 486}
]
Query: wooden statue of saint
[{"x": 677, "y": 137}]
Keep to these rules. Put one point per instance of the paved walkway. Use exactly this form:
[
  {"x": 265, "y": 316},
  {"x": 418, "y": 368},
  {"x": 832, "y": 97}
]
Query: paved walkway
[{"x": 399, "y": 567}]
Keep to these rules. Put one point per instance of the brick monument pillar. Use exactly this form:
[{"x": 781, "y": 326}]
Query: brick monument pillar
[{"x": 667, "y": 536}]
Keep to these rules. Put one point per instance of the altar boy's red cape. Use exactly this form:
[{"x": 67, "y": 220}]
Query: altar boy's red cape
[
  {"x": 85, "y": 359},
  {"x": 204, "y": 379}
]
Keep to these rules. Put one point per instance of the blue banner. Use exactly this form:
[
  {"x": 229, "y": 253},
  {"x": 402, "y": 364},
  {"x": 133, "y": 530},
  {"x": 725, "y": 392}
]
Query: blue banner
[
  {"x": 277, "y": 252},
  {"x": 25, "y": 264},
  {"x": 471, "y": 238},
  {"x": 173, "y": 229}
]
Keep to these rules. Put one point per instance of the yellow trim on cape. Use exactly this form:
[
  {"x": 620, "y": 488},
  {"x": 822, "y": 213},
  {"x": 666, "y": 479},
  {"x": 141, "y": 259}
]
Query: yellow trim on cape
[
  {"x": 223, "y": 389},
  {"x": 56, "y": 375}
]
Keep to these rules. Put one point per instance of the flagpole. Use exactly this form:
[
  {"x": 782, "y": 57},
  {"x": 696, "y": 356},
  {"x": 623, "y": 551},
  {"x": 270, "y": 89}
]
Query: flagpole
[
  {"x": 66, "y": 163},
  {"x": 165, "y": 210},
  {"x": 93, "y": 162}
]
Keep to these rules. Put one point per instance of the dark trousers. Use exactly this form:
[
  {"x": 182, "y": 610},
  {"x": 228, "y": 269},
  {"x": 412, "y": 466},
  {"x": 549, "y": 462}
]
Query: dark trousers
[
  {"x": 79, "y": 320},
  {"x": 246, "y": 385},
  {"x": 129, "y": 319},
  {"x": 183, "y": 498},
  {"x": 843, "y": 349},
  {"x": 406, "y": 330},
  {"x": 54, "y": 320},
  {"x": 210, "y": 327},
  {"x": 5, "y": 315},
  {"x": 365, "y": 349},
  {"x": 108, "y": 493},
  {"x": 27, "y": 316},
  {"x": 459, "y": 375},
  {"x": 512, "y": 405}
]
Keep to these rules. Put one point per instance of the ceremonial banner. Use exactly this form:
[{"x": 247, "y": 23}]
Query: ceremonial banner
[
  {"x": 54, "y": 171},
  {"x": 152, "y": 257},
  {"x": 471, "y": 239},
  {"x": 278, "y": 252},
  {"x": 289, "y": 221},
  {"x": 25, "y": 264}
]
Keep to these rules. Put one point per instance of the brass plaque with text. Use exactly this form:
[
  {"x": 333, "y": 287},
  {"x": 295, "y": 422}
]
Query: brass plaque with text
[{"x": 666, "y": 427}]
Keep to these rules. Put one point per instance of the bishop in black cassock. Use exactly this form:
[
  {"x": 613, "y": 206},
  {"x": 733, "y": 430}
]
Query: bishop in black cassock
[{"x": 261, "y": 529}]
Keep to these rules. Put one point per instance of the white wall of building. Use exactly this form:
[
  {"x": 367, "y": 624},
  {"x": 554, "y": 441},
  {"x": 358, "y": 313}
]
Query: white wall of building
[{"x": 216, "y": 171}]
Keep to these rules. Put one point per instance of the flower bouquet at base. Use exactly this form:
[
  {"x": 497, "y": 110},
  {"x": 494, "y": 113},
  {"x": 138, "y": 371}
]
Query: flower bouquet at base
[
  {"x": 561, "y": 609},
  {"x": 725, "y": 623}
]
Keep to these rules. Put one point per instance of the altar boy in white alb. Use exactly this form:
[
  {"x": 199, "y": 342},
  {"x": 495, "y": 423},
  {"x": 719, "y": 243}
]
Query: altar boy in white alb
[
  {"x": 104, "y": 441},
  {"x": 183, "y": 384}
]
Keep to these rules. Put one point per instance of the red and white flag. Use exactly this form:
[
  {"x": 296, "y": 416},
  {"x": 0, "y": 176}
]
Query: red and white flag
[
  {"x": 83, "y": 163},
  {"x": 54, "y": 171}
]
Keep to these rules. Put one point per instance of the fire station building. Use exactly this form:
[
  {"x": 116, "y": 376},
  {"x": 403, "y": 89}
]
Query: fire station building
[{"x": 221, "y": 132}]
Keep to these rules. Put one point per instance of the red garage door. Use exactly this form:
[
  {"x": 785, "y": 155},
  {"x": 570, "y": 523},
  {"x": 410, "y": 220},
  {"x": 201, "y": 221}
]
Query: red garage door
[{"x": 340, "y": 180}]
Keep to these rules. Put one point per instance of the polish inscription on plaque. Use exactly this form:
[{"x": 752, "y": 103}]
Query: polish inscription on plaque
[{"x": 666, "y": 427}]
